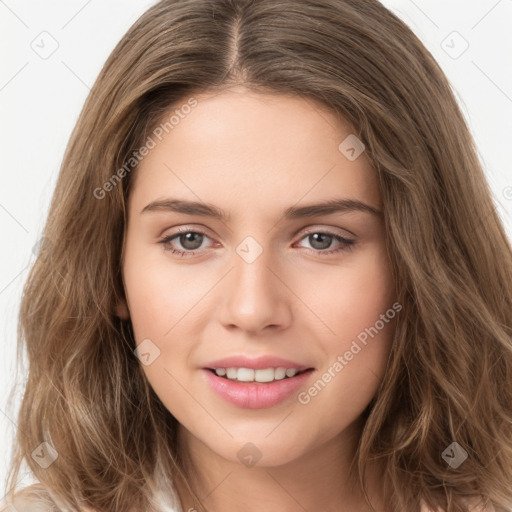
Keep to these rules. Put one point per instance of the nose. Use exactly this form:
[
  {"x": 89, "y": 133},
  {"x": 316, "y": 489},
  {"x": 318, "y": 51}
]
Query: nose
[{"x": 255, "y": 296}]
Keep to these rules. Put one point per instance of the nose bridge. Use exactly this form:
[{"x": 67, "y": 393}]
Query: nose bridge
[
  {"x": 252, "y": 278},
  {"x": 255, "y": 297}
]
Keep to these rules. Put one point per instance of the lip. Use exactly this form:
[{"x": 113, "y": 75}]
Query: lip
[
  {"x": 252, "y": 395},
  {"x": 258, "y": 363}
]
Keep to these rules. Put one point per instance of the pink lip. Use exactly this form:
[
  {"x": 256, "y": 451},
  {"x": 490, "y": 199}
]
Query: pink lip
[
  {"x": 258, "y": 363},
  {"x": 252, "y": 395}
]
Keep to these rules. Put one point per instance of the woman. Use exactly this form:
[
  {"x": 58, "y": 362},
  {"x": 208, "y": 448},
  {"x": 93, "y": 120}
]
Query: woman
[{"x": 273, "y": 277}]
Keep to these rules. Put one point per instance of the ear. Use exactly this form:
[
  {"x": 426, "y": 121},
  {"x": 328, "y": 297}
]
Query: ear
[{"x": 122, "y": 310}]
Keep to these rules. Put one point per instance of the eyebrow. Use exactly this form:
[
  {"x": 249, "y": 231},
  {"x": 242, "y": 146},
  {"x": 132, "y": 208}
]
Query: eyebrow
[{"x": 294, "y": 212}]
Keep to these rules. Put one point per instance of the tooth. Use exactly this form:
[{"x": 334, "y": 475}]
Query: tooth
[
  {"x": 231, "y": 373},
  {"x": 245, "y": 374},
  {"x": 266, "y": 375},
  {"x": 291, "y": 372},
  {"x": 260, "y": 375},
  {"x": 280, "y": 373}
]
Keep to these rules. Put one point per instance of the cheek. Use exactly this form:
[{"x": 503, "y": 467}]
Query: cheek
[
  {"x": 166, "y": 304},
  {"x": 158, "y": 293},
  {"x": 357, "y": 308},
  {"x": 353, "y": 296},
  {"x": 362, "y": 316},
  {"x": 160, "y": 298}
]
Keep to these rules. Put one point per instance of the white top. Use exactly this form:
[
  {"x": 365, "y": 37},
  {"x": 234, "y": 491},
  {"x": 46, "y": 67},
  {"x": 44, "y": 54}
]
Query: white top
[
  {"x": 472, "y": 507},
  {"x": 34, "y": 498},
  {"x": 28, "y": 505}
]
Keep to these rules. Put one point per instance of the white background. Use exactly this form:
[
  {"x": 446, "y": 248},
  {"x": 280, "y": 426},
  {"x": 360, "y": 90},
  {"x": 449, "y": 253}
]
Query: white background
[{"x": 40, "y": 100}]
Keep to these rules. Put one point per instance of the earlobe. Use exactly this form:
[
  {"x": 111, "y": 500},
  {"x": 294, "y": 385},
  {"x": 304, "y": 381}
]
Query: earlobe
[{"x": 122, "y": 310}]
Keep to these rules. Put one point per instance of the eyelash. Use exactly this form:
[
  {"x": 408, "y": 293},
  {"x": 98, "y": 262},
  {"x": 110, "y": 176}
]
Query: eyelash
[{"x": 346, "y": 244}]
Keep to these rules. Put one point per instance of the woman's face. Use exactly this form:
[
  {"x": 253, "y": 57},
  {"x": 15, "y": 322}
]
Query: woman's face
[{"x": 275, "y": 282}]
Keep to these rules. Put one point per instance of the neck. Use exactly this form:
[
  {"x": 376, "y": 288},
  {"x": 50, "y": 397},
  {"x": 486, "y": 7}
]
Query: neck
[{"x": 322, "y": 479}]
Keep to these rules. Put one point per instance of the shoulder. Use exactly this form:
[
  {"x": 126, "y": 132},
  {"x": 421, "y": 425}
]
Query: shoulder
[
  {"x": 474, "y": 505},
  {"x": 33, "y": 498}
]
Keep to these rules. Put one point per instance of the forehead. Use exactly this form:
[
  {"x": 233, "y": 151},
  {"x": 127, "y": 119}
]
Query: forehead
[{"x": 259, "y": 148}]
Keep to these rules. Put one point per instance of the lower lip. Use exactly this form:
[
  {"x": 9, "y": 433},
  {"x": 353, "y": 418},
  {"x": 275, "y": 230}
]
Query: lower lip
[{"x": 251, "y": 395}]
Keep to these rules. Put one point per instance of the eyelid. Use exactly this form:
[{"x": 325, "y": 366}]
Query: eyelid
[
  {"x": 326, "y": 229},
  {"x": 185, "y": 229}
]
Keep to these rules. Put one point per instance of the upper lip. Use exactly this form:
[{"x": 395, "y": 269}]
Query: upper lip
[{"x": 258, "y": 363}]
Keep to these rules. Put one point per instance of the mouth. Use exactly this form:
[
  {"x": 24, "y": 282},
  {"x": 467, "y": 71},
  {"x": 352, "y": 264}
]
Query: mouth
[{"x": 262, "y": 388}]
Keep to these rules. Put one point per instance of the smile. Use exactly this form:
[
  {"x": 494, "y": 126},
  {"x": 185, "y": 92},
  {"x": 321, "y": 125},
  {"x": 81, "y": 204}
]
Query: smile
[{"x": 251, "y": 394}]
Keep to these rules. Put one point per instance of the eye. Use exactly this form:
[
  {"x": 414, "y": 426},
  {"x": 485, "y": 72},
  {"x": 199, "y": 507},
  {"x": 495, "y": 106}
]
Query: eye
[
  {"x": 321, "y": 240},
  {"x": 192, "y": 240}
]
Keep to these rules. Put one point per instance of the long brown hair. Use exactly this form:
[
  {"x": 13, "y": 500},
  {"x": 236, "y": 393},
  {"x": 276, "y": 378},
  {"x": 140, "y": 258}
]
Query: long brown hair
[{"x": 450, "y": 371}]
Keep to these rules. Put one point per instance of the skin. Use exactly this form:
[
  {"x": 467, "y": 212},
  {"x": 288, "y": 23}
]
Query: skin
[{"x": 254, "y": 155}]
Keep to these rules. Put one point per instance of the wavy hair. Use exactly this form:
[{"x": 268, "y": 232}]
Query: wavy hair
[{"x": 449, "y": 376}]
